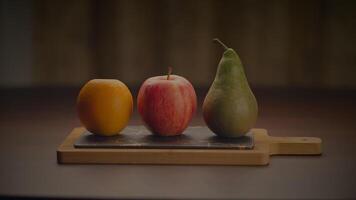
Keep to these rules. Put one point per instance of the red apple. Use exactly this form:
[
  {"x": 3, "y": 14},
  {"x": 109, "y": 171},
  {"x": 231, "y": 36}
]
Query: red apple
[{"x": 167, "y": 104}]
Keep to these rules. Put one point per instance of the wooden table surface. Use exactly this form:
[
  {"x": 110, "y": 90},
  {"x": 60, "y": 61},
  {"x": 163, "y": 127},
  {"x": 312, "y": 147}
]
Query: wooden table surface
[{"x": 33, "y": 122}]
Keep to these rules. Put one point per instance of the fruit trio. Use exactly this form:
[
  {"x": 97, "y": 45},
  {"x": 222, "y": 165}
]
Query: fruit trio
[{"x": 167, "y": 103}]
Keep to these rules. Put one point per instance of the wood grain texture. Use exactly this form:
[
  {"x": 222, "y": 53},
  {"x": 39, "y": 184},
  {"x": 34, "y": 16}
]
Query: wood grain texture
[
  {"x": 281, "y": 43},
  {"x": 264, "y": 147}
]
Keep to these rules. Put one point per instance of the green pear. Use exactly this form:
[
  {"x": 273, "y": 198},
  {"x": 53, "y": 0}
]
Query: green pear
[{"x": 230, "y": 107}]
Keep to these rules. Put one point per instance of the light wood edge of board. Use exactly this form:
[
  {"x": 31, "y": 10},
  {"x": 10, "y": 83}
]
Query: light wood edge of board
[
  {"x": 67, "y": 154},
  {"x": 295, "y": 145}
]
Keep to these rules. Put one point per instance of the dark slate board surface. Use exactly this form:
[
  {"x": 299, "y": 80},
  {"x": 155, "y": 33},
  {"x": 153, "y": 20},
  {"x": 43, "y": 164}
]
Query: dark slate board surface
[{"x": 198, "y": 137}]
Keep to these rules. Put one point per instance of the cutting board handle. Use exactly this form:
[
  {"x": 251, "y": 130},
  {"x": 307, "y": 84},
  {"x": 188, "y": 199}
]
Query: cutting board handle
[{"x": 295, "y": 146}]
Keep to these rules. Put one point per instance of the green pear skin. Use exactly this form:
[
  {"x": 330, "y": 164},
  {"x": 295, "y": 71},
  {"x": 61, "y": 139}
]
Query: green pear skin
[{"x": 230, "y": 108}]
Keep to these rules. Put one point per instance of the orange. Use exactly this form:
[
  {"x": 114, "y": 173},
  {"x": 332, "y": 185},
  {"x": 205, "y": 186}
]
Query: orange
[{"x": 104, "y": 106}]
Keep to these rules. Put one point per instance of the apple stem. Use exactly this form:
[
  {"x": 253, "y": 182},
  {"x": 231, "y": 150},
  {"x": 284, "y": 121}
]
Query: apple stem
[
  {"x": 222, "y": 44},
  {"x": 169, "y": 72}
]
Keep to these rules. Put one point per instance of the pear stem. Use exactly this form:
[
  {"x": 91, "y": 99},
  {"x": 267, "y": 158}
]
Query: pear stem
[
  {"x": 169, "y": 72},
  {"x": 222, "y": 44}
]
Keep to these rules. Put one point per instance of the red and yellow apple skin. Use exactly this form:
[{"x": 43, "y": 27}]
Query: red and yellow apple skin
[{"x": 167, "y": 105}]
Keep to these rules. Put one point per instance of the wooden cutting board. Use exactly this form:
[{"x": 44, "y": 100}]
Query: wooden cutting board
[{"x": 197, "y": 146}]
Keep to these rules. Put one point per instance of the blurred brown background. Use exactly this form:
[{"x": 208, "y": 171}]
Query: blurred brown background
[{"x": 282, "y": 43}]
